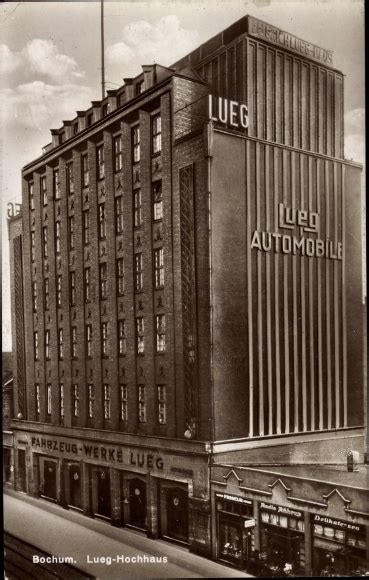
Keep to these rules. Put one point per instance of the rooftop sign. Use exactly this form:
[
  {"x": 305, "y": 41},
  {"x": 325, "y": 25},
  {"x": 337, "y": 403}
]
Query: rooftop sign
[{"x": 289, "y": 41}]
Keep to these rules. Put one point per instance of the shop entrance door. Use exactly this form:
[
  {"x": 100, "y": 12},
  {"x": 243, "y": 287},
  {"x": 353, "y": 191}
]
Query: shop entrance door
[
  {"x": 50, "y": 479},
  {"x": 231, "y": 540},
  {"x": 137, "y": 503},
  {"x": 103, "y": 493},
  {"x": 75, "y": 486},
  {"x": 177, "y": 514}
]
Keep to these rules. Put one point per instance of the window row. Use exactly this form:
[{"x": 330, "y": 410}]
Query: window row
[
  {"x": 122, "y": 339},
  {"x": 156, "y": 143},
  {"x": 91, "y": 401},
  {"x": 157, "y": 198},
  {"x": 103, "y": 281}
]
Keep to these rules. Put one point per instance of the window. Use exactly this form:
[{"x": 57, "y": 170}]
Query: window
[
  {"x": 157, "y": 197},
  {"x": 72, "y": 281},
  {"x": 35, "y": 344},
  {"x": 136, "y": 144},
  {"x": 74, "y": 341},
  {"x": 61, "y": 138},
  {"x": 160, "y": 333},
  {"x": 71, "y": 232},
  {"x": 124, "y": 402},
  {"x": 48, "y": 396},
  {"x": 104, "y": 341},
  {"x": 162, "y": 405},
  {"x": 91, "y": 400},
  {"x": 90, "y": 118},
  {"x": 102, "y": 222},
  {"x": 86, "y": 227},
  {"x": 57, "y": 237},
  {"x": 137, "y": 202},
  {"x": 103, "y": 281},
  {"x": 106, "y": 402},
  {"x": 140, "y": 87},
  {"x": 59, "y": 290},
  {"x": 37, "y": 399},
  {"x": 75, "y": 400},
  {"x": 141, "y": 403},
  {"x": 87, "y": 285},
  {"x": 75, "y": 128},
  {"x": 119, "y": 214},
  {"x": 60, "y": 343},
  {"x": 85, "y": 171},
  {"x": 156, "y": 133},
  {"x": 89, "y": 340},
  {"x": 34, "y": 296},
  {"x": 31, "y": 196},
  {"x": 117, "y": 144},
  {"x": 33, "y": 246},
  {"x": 44, "y": 239},
  {"x": 140, "y": 331},
  {"x": 43, "y": 189},
  {"x": 70, "y": 178},
  {"x": 159, "y": 267},
  {"x": 46, "y": 297},
  {"x": 105, "y": 109},
  {"x": 47, "y": 344},
  {"x": 122, "y": 341},
  {"x": 120, "y": 276},
  {"x": 56, "y": 184},
  {"x": 100, "y": 162},
  {"x": 61, "y": 391},
  {"x": 138, "y": 272}
]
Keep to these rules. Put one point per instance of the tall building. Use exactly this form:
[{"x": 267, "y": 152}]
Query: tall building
[{"x": 187, "y": 293}]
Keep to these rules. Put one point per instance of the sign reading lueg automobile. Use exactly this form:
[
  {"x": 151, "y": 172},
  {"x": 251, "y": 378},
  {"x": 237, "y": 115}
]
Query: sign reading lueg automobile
[{"x": 308, "y": 221}]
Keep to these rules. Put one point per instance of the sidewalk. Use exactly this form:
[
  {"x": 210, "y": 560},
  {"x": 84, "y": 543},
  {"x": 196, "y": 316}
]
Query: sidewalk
[{"x": 63, "y": 532}]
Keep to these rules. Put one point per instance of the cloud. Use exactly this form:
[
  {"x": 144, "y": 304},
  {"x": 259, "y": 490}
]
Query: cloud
[
  {"x": 355, "y": 135},
  {"x": 9, "y": 60},
  {"x": 39, "y": 105},
  {"x": 44, "y": 59},
  {"x": 144, "y": 43}
]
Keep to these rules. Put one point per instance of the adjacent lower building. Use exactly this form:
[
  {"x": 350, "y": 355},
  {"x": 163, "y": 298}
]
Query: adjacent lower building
[{"x": 186, "y": 294}]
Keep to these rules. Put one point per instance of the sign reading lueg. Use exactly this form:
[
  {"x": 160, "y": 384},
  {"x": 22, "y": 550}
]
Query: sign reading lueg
[
  {"x": 227, "y": 112},
  {"x": 308, "y": 221}
]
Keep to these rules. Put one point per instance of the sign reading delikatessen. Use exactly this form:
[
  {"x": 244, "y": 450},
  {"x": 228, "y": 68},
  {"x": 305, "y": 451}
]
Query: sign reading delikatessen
[
  {"x": 288, "y": 41},
  {"x": 98, "y": 452},
  {"x": 308, "y": 221},
  {"x": 338, "y": 524}
]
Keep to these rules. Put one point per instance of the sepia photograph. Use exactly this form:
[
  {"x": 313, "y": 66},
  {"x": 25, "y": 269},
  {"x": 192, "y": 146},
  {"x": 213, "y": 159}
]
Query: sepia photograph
[{"x": 184, "y": 305}]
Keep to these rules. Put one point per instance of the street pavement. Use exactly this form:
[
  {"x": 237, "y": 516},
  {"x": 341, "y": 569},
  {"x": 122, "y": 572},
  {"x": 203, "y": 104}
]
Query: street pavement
[{"x": 61, "y": 532}]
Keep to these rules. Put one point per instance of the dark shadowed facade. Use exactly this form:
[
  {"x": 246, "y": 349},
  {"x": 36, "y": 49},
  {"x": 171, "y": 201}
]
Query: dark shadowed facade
[{"x": 186, "y": 291}]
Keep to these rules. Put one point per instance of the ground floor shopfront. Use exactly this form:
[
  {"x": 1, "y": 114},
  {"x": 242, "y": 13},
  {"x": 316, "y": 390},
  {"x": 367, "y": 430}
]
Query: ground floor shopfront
[
  {"x": 274, "y": 524},
  {"x": 161, "y": 490}
]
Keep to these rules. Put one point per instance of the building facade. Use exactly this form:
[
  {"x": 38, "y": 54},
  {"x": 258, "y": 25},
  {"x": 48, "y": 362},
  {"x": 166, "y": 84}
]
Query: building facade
[{"x": 182, "y": 271}]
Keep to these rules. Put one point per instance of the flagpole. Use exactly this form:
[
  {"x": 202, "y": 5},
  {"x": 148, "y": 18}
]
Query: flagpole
[{"x": 102, "y": 52}]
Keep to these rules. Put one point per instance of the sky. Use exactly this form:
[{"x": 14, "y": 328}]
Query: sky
[{"x": 50, "y": 66}]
